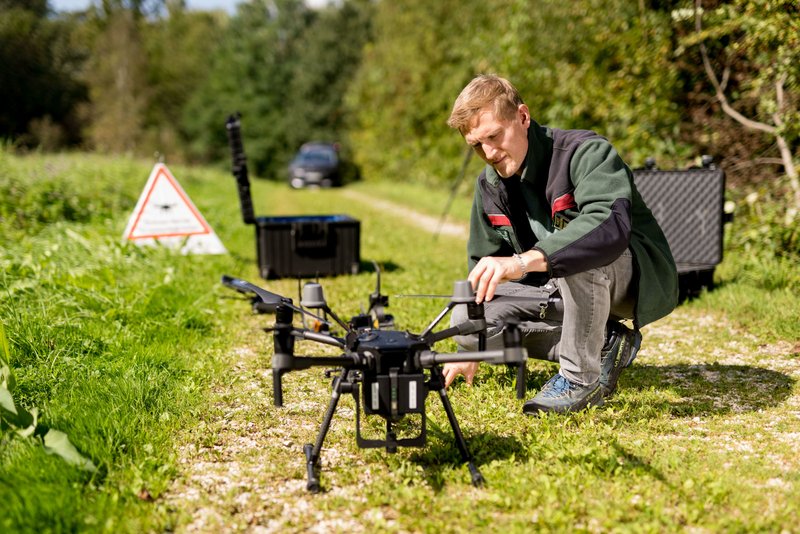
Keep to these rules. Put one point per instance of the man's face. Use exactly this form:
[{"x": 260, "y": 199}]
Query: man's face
[{"x": 501, "y": 143}]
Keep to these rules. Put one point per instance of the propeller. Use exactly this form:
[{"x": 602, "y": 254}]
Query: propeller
[
  {"x": 550, "y": 307},
  {"x": 245, "y": 287},
  {"x": 505, "y": 298},
  {"x": 266, "y": 301}
]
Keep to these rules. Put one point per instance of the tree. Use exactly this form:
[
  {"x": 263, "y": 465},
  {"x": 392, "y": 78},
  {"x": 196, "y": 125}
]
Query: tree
[
  {"x": 593, "y": 64},
  {"x": 116, "y": 79},
  {"x": 38, "y": 86},
  {"x": 604, "y": 65},
  {"x": 422, "y": 55},
  {"x": 177, "y": 47},
  {"x": 324, "y": 68},
  {"x": 764, "y": 34},
  {"x": 250, "y": 72}
]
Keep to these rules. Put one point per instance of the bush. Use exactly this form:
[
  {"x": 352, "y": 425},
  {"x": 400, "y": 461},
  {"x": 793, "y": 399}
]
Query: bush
[
  {"x": 763, "y": 243},
  {"x": 38, "y": 195}
]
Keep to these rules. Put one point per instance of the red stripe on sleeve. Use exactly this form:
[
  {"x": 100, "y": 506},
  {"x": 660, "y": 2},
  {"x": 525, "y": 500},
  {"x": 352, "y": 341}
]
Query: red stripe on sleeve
[
  {"x": 499, "y": 220},
  {"x": 563, "y": 202}
]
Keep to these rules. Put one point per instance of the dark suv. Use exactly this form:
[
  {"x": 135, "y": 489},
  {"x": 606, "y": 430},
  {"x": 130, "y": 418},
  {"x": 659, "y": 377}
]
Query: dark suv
[{"x": 316, "y": 164}]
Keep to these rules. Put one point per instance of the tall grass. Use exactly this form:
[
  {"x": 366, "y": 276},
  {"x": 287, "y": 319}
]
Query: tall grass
[{"x": 113, "y": 343}]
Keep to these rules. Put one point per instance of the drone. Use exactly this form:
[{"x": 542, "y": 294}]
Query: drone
[{"x": 389, "y": 370}]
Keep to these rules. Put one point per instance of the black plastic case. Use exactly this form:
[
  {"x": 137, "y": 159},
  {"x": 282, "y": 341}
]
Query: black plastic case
[
  {"x": 307, "y": 246},
  {"x": 689, "y": 207},
  {"x": 297, "y": 245}
]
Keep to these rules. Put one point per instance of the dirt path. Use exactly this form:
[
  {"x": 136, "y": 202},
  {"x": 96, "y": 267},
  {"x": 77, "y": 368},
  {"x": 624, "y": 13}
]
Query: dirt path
[
  {"x": 420, "y": 220},
  {"x": 231, "y": 462},
  {"x": 242, "y": 468}
]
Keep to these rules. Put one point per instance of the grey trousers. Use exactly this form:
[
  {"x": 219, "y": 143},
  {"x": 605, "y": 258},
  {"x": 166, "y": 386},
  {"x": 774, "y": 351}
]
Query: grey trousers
[{"x": 590, "y": 300}]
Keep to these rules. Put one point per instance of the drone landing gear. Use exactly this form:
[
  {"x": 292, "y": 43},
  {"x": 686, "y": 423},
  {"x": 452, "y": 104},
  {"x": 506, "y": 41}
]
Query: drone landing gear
[
  {"x": 341, "y": 384},
  {"x": 346, "y": 383},
  {"x": 437, "y": 382}
]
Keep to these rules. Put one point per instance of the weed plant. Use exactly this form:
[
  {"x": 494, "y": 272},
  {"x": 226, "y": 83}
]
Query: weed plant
[{"x": 161, "y": 377}]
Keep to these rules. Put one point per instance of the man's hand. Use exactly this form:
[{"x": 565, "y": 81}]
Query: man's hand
[
  {"x": 452, "y": 370},
  {"x": 493, "y": 270}
]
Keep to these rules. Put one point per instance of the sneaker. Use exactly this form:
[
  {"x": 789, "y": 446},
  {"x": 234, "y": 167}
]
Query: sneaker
[
  {"x": 619, "y": 352},
  {"x": 559, "y": 395}
]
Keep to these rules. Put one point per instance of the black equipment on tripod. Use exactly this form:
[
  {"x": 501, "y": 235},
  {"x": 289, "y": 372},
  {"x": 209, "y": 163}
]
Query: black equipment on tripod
[{"x": 289, "y": 246}]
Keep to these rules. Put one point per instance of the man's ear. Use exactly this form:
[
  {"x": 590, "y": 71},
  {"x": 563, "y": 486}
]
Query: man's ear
[{"x": 524, "y": 115}]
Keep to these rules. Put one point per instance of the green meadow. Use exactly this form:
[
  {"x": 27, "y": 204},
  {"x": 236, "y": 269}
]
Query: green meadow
[{"x": 160, "y": 377}]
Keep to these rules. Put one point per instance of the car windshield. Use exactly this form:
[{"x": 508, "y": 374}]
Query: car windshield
[{"x": 316, "y": 157}]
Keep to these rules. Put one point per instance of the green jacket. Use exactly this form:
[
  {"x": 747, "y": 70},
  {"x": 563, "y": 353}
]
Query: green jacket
[{"x": 576, "y": 203}]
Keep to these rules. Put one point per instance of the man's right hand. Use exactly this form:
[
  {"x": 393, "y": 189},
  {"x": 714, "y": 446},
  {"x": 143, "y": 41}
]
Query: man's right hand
[
  {"x": 493, "y": 270},
  {"x": 452, "y": 370}
]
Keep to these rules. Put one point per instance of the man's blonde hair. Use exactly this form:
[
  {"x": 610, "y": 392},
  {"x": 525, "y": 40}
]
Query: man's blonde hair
[{"x": 483, "y": 91}]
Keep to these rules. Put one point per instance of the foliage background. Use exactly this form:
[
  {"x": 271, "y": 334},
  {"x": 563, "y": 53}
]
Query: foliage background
[
  {"x": 139, "y": 77},
  {"x": 161, "y": 377}
]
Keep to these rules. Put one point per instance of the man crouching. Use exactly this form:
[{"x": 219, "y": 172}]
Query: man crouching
[{"x": 557, "y": 210}]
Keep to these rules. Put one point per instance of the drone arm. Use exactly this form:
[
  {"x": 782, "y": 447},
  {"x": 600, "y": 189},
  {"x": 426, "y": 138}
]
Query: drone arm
[
  {"x": 283, "y": 363},
  {"x": 436, "y": 321},
  {"x": 336, "y": 318},
  {"x": 470, "y": 326},
  {"x": 242, "y": 286},
  {"x": 513, "y": 354},
  {"x": 306, "y": 362},
  {"x": 320, "y": 338},
  {"x": 475, "y": 323},
  {"x": 428, "y": 359}
]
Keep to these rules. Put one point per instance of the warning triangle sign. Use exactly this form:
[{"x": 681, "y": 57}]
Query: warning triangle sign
[{"x": 165, "y": 214}]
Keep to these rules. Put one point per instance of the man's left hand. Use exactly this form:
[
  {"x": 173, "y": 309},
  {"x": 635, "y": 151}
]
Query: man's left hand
[{"x": 452, "y": 370}]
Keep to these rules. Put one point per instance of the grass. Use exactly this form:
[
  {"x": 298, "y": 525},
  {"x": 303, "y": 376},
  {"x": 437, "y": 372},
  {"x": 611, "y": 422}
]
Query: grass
[{"x": 161, "y": 377}]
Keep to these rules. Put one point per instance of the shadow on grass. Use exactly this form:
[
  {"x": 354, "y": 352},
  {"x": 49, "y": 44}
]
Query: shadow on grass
[
  {"x": 366, "y": 266},
  {"x": 702, "y": 389},
  {"x": 437, "y": 458},
  {"x": 486, "y": 448},
  {"x": 708, "y": 389},
  {"x": 505, "y": 376},
  {"x": 675, "y": 390}
]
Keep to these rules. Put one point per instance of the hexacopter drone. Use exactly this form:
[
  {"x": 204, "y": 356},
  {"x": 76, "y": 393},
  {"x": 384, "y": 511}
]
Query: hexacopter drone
[{"x": 390, "y": 371}]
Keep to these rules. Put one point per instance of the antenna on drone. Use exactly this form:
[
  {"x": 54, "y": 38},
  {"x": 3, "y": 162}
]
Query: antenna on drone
[{"x": 378, "y": 303}]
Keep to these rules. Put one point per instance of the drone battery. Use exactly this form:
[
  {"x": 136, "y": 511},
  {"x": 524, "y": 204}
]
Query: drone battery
[
  {"x": 390, "y": 395},
  {"x": 307, "y": 246},
  {"x": 689, "y": 207}
]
